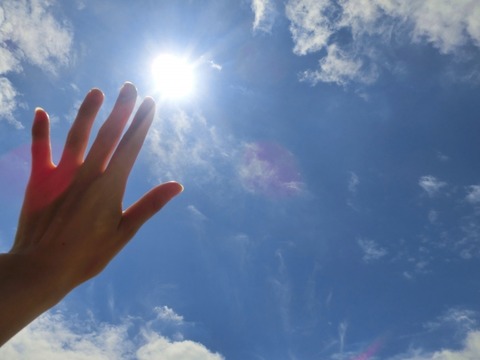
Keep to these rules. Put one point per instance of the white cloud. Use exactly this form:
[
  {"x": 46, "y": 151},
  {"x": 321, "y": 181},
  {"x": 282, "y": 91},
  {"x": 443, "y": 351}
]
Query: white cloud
[
  {"x": 53, "y": 336},
  {"x": 339, "y": 67},
  {"x": 431, "y": 184},
  {"x": 8, "y": 61},
  {"x": 315, "y": 24},
  {"x": 264, "y": 12},
  {"x": 165, "y": 313},
  {"x": 158, "y": 347},
  {"x": 311, "y": 24},
  {"x": 215, "y": 66},
  {"x": 473, "y": 195},
  {"x": 29, "y": 33},
  {"x": 446, "y": 24},
  {"x": 470, "y": 351},
  {"x": 371, "y": 250}
]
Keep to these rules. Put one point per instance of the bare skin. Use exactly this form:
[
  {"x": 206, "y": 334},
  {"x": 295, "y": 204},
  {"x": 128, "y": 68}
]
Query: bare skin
[{"x": 72, "y": 223}]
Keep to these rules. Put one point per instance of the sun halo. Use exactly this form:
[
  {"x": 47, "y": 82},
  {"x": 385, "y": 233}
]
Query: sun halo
[{"x": 173, "y": 76}]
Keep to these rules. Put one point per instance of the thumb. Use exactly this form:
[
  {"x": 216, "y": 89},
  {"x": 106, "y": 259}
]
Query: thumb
[{"x": 147, "y": 206}]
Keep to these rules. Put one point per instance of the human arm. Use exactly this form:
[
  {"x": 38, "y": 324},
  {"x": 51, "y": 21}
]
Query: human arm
[{"x": 72, "y": 223}]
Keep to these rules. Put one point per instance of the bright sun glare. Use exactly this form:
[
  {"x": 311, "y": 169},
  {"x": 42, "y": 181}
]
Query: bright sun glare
[{"x": 173, "y": 76}]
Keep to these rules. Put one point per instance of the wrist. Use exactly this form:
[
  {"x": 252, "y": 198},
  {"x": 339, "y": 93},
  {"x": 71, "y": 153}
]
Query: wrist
[{"x": 27, "y": 281}]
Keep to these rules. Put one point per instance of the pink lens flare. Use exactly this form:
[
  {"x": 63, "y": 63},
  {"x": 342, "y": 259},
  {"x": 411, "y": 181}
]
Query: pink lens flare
[
  {"x": 370, "y": 351},
  {"x": 267, "y": 168}
]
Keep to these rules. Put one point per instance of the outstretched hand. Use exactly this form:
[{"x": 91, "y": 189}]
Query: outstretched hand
[{"x": 72, "y": 222}]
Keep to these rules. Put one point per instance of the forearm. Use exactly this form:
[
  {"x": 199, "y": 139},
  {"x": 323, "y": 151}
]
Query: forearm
[{"x": 27, "y": 289}]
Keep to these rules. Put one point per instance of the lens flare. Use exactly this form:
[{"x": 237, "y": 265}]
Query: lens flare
[{"x": 269, "y": 169}]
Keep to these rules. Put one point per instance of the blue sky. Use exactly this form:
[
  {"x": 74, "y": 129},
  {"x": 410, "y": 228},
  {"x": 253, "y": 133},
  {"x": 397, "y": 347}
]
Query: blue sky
[{"x": 329, "y": 153}]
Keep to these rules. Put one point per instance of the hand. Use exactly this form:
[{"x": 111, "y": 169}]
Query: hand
[{"x": 72, "y": 224}]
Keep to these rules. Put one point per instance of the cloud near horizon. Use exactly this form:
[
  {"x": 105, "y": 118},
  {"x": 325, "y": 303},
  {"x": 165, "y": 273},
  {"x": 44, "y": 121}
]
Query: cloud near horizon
[
  {"x": 469, "y": 351},
  {"x": 54, "y": 336}
]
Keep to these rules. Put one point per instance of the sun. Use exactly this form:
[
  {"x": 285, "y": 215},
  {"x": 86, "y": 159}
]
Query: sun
[{"x": 173, "y": 76}]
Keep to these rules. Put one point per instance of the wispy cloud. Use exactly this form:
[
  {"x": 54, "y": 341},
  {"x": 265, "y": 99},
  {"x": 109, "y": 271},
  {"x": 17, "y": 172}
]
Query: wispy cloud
[
  {"x": 165, "y": 313},
  {"x": 431, "y": 184},
  {"x": 269, "y": 169},
  {"x": 30, "y": 33},
  {"x": 281, "y": 287},
  {"x": 310, "y": 24},
  {"x": 55, "y": 336},
  {"x": 473, "y": 194},
  {"x": 339, "y": 67},
  {"x": 181, "y": 144},
  {"x": 264, "y": 12},
  {"x": 197, "y": 214},
  {"x": 353, "y": 182},
  {"x": 371, "y": 250},
  {"x": 315, "y": 24},
  {"x": 459, "y": 319},
  {"x": 342, "y": 333},
  {"x": 186, "y": 146},
  {"x": 8, "y": 102}
]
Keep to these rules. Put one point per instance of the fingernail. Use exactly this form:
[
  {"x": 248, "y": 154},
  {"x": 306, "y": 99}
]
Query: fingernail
[
  {"x": 147, "y": 106},
  {"x": 127, "y": 92},
  {"x": 40, "y": 111},
  {"x": 149, "y": 102},
  {"x": 96, "y": 94},
  {"x": 181, "y": 188}
]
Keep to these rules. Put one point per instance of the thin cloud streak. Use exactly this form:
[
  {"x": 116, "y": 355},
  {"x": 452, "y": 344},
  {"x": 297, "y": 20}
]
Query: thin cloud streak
[{"x": 371, "y": 250}]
